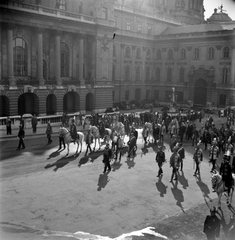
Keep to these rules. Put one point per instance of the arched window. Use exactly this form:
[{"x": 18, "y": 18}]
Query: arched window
[
  {"x": 158, "y": 54},
  {"x": 128, "y": 52},
  {"x": 138, "y": 53},
  {"x": 181, "y": 75},
  {"x": 147, "y": 78},
  {"x": 170, "y": 54},
  {"x": 196, "y": 53},
  {"x": 226, "y": 52},
  {"x": 127, "y": 73},
  {"x": 148, "y": 55},
  {"x": 137, "y": 73},
  {"x": 182, "y": 54},
  {"x": 20, "y": 57},
  {"x": 222, "y": 99},
  {"x": 64, "y": 60},
  {"x": 224, "y": 75},
  {"x": 169, "y": 74},
  {"x": 211, "y": 53},
  {"x": 157, "y": 74}
]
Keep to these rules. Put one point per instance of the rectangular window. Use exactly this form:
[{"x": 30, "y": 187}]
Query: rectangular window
[
  {"x": 147, "y": 94},
  {"x": 104, "y": 13},
  {"x": 149, "y": 30},
  {"x": 139, "y": 27},
  {"x": 128, "y": 26}
]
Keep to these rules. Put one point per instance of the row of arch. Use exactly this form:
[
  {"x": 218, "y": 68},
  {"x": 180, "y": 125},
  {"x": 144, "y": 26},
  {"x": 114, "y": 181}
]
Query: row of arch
[
  {"x": 170, "y": 53},
  {"x": 29, "y": 103}
]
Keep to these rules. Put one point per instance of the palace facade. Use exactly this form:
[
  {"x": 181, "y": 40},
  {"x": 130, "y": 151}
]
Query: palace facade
[{"x": 82, "y": 55}]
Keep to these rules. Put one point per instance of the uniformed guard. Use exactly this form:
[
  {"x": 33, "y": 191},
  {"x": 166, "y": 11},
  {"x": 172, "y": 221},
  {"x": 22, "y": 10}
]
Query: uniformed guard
[{"x": 73, "y": 131}]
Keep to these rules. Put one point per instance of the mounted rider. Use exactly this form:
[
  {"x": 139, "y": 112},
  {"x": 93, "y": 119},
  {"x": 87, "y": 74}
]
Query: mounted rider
[
  {"x": 101, "y": 128},
  {"x": 73, "y": 131},
  {"x": 226, "y": 172}
]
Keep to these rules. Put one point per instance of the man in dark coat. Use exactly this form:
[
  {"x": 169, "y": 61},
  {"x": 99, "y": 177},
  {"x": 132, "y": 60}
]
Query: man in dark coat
[
  {"x": 226, "y": 172},
  {"x": 212, "y": 226},
  {"x": 21, "y": 135},
  {"x": 73, "y": 131},
  {"x": 160, "y": 159},
  {"x": 106, "y": 158},
  {"x": 132, "y": 145}
]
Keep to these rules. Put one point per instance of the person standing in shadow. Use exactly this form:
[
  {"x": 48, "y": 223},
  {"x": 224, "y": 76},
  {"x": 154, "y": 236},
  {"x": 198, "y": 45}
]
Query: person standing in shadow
[{"x": 212, "y": 225}]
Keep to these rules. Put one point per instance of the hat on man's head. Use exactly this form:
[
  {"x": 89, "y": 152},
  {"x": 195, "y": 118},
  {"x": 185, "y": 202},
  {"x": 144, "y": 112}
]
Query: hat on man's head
[{"x": 227, "y": 156}]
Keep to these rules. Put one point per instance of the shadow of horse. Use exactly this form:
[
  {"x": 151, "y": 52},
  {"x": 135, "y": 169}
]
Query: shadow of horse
[
  {"x": 161, "y": 187},
  {"x": 55, "y": 154},
  {"x": 60, "y": 163},
  {"x": 102, "y": 181}
]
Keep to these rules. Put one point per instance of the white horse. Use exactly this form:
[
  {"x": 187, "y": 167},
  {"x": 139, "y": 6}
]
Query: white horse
[
  {"x": 149, "y": 126},
  {"x": 219, "y": 186},
  {"x": 96, "y": 134},
  {"x": 119, "y": 128},
  {"x": 67, "y": 139}
]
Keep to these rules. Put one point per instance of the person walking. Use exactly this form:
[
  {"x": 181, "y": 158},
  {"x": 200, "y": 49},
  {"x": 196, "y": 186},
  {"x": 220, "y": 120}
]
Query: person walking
[
  {"x": 34, "y": 122},
  {"x": 226, "y": 172},
  {"x": 61, "y": 136},
  {"x": 174, "y": 163},
  {"x": 106, "y": 158},
  {"x": 21, "y": 136},
  {"x": 8, "y": 126},
  {"x": 198, "y": 158},
  {"x": 213, "y": 154},
  {"x": 132, "y": 145},
  {"x": 160, "y": 159},
  {"x": 22, "y": 123},
  {"x": 48, "y": 133},
  {"x": 89, "y": 140},
  {"x": 145, "y": 134},
  {"x": 181, "y": 152}
]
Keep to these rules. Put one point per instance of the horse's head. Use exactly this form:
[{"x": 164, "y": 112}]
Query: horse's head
[{"x": 215, "y": 179}]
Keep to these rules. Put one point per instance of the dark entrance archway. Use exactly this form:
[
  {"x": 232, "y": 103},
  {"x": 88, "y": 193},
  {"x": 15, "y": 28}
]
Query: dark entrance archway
[
  {"x": 51, "y": 104},
  {"x": 137, "y": 94},
  {"x": 89, "y": 102},
  {"x": 200, "y": 92},
  {"x": 71, "y": 102},
  {"x": 28, "y": 103},
  {"x": 4, "y": 106}
]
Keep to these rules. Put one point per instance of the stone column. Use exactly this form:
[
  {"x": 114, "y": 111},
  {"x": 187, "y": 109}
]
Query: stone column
[
  {"x": 10, "y": 62},
  {"x": 57, "y": 59},
  {"x": 233, "y": 59},
  {"x": 40, "y": 59},
  {"x": 81, "y": 60}
]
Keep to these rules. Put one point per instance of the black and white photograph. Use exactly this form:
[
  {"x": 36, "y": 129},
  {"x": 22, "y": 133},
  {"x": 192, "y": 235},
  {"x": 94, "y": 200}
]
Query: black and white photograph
[{"x": 117, "y": 119}]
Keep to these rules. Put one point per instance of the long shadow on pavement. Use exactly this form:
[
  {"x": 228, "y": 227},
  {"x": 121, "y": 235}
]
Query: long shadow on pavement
[
  {"x": 204, "y": 188},
  {"x": 182, "y": 180},
  {"x": 161, "y": 187},
  {"x": 178, "y": 195},
  {"x": 102, "y": 181},
  {"x": 61, "y": 162}
]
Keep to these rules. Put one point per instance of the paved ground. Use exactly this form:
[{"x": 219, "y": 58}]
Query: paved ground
[{"x": 46, "y": 195}]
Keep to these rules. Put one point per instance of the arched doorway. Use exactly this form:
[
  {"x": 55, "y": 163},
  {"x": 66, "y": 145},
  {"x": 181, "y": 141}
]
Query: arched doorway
[
  {"x": 200, "y": 92},
  {"x": 4, "y": 106},
  {"x": 137, "y": 94},
  {"x": 51, "y": 104},
  {"x": 28, "y": 103},
  {"x": 71, "y": 102},
  {"x": 89, "y": 102}
]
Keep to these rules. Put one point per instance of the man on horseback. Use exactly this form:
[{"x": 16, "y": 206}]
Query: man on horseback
[
  {"x": 226, "y": 173},
  {"x": 73, "y": 131}
]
